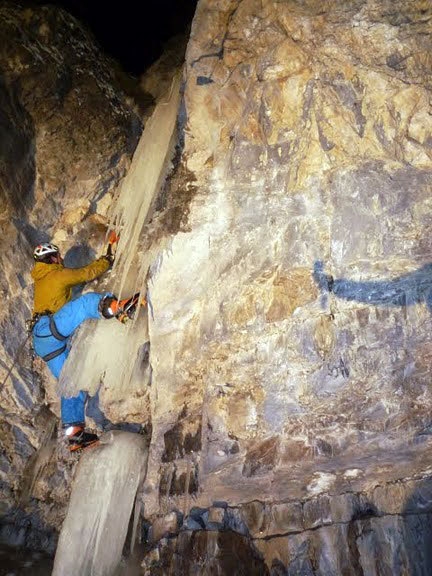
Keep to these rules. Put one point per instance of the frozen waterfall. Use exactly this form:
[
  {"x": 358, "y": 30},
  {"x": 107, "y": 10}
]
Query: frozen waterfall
[
  {"x": 109, "y": 356},
  {"x": 107, "y": 351}
]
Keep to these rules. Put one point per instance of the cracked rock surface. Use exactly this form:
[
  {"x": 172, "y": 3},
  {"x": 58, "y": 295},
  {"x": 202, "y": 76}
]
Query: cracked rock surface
[{"x": 294, "y": 370}]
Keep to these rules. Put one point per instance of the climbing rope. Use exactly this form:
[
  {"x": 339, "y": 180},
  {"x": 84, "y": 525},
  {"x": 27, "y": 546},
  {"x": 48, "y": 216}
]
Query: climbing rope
[
  {"x": 20, "y": 349},
  {"x": 29, "y": 327}
]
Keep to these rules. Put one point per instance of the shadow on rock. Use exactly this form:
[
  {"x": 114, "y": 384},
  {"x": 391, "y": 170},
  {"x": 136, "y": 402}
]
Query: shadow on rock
[
  {"x": 417, "y": 530},
  {"x": 94, "y": 411},
  {"x": 407, "y": 290},
  {"x": 22, "y": 530},
  {"x": 78, "y": 256},
  {"x": 17, "y": 151}
]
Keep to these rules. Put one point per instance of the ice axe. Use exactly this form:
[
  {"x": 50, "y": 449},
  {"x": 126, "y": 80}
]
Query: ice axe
[{"x": 113, "y": 239}]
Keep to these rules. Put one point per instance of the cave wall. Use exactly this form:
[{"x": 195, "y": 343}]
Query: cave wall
[
  {"x": 307, "y": 144},
  {"x": 310, "y": 153},
  {"x": 290, "y": 422}
]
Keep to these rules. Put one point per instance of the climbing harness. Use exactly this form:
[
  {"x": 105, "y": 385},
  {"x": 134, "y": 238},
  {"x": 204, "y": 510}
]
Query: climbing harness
[
  {"x": 57, "y": 336},
  {"x": 54, "y": 332}
]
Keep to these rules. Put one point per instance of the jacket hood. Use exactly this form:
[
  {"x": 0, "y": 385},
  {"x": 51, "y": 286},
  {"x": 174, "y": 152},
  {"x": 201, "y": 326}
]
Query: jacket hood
[{"x": 40, "y": 269}]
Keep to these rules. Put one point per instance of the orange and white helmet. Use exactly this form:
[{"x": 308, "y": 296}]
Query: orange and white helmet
[{"x": 43, "y": 250}]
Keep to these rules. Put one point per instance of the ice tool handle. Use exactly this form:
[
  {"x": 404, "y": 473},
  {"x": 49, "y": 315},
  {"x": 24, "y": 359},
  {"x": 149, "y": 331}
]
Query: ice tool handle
[{"x": 113, "y": 239}]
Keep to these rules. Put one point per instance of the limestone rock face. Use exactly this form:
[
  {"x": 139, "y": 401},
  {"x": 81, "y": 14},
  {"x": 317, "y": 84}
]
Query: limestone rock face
[
  {"x": 308, "y": 130},
  {"x": 66, "y": 137}
]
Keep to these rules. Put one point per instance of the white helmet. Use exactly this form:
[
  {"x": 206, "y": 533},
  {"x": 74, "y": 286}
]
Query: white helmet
[{"x": 43, "y": 250}]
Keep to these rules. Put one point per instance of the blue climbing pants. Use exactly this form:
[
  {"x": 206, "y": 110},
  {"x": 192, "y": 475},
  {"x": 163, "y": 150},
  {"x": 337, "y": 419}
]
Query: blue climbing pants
[{"x": 66, "y": 321}]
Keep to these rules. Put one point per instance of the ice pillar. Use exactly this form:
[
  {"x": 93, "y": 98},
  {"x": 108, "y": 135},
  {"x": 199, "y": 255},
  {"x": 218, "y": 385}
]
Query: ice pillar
[{"x": 103, "y": 494}]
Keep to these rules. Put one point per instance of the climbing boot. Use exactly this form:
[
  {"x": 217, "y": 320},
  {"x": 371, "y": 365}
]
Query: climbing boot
[
  {"x": 123, "y": 310},
  {"x": 79, "y": 439}
]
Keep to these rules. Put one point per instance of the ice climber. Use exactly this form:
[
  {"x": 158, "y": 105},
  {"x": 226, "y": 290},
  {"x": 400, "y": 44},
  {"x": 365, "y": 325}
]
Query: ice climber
[{"x": 56, "y": 317}]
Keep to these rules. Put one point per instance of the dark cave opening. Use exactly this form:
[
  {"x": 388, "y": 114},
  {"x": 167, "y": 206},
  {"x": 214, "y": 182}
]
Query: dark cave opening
[{"x": 132, "y": 32}]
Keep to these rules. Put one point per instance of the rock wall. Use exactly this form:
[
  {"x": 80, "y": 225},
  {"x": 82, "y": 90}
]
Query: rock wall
[
  {"x": 385, "y": 531},
  {"x": 307, "y": 144}
]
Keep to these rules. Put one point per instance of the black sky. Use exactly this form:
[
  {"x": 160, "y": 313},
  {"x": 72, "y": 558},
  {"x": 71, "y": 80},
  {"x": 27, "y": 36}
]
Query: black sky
[{"x": 132, "y": 31}]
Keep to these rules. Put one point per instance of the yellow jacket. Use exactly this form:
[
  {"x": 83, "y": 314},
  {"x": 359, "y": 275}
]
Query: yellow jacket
[{"x": 53, "y": 283}]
